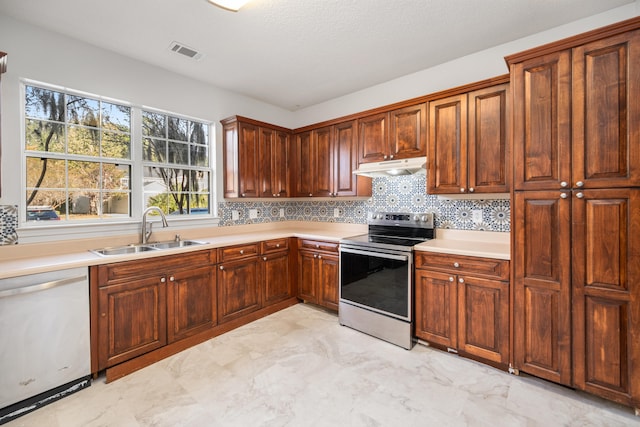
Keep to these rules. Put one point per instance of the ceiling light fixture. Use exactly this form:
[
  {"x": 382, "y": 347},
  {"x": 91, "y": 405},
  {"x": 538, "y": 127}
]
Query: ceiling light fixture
[{"x": 232, "y": 5}]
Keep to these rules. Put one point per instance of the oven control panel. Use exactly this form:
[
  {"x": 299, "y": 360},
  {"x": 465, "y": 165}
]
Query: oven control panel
[{"x": 403, "y": 219}]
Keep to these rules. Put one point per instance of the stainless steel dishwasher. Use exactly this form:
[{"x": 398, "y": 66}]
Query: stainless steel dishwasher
[{"x": 44, "y": 339}]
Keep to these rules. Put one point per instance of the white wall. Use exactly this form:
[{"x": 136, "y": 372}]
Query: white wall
[
  {"x": 37, "y": 54},
  {"x": 468, "y": 69}
]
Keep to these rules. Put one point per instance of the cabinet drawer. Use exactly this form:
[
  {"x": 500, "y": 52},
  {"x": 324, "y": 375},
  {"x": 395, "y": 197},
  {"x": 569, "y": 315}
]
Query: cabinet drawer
[
  {"x": 318, "y": 245},
  {"x": 237, "y": 252},
  {"x": 460, "y": 264},
  {"x": 275, "y": 245},
  {"x": 154, "y": 266}
]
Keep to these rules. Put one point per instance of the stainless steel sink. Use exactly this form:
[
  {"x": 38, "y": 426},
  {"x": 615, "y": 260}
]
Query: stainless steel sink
[
  {"x": 134, "y": 249},
  {"x": 124, "y": 250},
  {"x": 171, "y": 244}
]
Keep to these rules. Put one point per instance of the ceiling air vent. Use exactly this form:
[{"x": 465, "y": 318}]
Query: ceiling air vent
[{"x": 185, "y": 50}]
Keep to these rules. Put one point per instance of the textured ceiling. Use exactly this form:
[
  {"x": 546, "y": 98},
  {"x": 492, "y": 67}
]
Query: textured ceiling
[{"x": 297, "y": 53}]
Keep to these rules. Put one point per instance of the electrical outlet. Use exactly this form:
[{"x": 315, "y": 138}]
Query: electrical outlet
[
  {"x": 235, "y": 215},
  {"x": 336, "y": 212},
  {"x": 281, "y": 212},
  {"x": 476, "y": 216},
  {"x": 253, "y": 213}
]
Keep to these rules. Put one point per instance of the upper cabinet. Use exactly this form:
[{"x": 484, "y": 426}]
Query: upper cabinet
[
  {"x": 576, "y": 121},
  {"x": 255, "y": 159},
  {"x": 323, "y": 160},
  {"x": 3, "y": 68},
  {"x": 469, "y": 145},
  {"x": 397, "y": 134}
]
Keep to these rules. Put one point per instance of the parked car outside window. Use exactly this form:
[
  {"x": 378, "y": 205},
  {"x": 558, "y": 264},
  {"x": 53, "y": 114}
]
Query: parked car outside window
[{"x": 41, "y": 213}]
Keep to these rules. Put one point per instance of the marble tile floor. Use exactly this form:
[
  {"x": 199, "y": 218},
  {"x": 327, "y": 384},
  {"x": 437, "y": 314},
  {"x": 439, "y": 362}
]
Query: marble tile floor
[{"x": 299, "y": 367}]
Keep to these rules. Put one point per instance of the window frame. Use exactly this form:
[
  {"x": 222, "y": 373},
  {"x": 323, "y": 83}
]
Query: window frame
[{"x": 135, "y": 162}]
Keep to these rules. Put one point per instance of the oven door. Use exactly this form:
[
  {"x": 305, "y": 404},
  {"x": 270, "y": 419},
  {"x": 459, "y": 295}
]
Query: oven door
[{"x": 379, "y": 280}]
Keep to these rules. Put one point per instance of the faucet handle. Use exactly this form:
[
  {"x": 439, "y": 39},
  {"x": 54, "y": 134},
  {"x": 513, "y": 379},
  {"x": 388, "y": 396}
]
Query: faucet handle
[{"x": 178, "y": 238}]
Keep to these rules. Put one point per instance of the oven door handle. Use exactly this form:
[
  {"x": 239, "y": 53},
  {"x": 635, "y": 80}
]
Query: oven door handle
[{"x": 376, "y": 254}]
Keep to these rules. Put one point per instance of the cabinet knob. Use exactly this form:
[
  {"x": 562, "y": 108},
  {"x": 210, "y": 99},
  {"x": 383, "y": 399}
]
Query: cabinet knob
[
  {"x": 277, "y": 245},
  {"x": 172, "y": 279},
  {"x": 451, "y": 279},
  {"x": 317, "y": 246},
  {"x": 579, "y": 195},
  {"x": 563, "y": 184},
  {"x": 241, "y": 251},
  {"x": 461, "y": 280},
  {"x": 310, "y": 194},
  {"x": 384, "y": 157},
  {"x": 264, "y": 258},
  {"x": 274, "y": 194},
  {"x": 462, "y": 189},
  {"x": 222, "y": 267},
  {"x": 456, "y": 265},
  {"x": 579, "y": 184},
  {"x": 243, "y": 194},
  {"x": 563, "y": 195},
  {"x": 315, "y": 255},
  {"x": 103, "y": 314},
  {"x": 471, "y": 190},
  {"x": 163, "y": 280},
  {"x": 319, "y": 256},
  {"x": 279, "y": 195},
  {"x": 391, "y": 156}
]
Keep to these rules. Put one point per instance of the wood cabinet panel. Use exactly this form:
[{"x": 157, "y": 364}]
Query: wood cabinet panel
[
  {"x": 191, "y": 302},
  {"x": 275, "y": 277},
  {"x": 328, "y": 277},
  {"x": 318, "y": 272},
  {"x": 345, "y": 148},
  {"x": 373, "y": 134},
  {"x": 318, "y": 245},
  {"x": 448, "y": 145},
  {"x": 303, "y": 165},
  {"x": 132, "y": 320},
  {"x": 542, "y": 303},
  {"x": 436, "y": 319},
  {"x": 606, "y": 293},
  {"x": 606, "y": 117},
  {"x": 408, "y": 132},
  {"x": 274, "y": 245},
  {"x": 3, "y": 69},
  {"x": 248, "y": 160},
  {"x": 460, "y": 264},
  {"x": 323, "y": 157},
  {"x": 230, "y": 253},
  {"x": 307, "y": 273},
  {"x": 542, "y": 122},
  {"x": 238, "y": 291}
]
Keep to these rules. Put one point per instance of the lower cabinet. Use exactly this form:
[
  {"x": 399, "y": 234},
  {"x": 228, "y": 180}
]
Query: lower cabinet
[
  {"x": 318, "y": 272},
  {"x": 144, "y": 305},
  {"x": 462, "y": 304},
  {"x": 238, "y": 292},
  {"x": 275, "y": 271}
]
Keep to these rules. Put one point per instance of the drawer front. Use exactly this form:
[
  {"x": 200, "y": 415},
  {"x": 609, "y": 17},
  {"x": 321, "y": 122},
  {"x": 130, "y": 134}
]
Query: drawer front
[
  {"x": 156, "y": 266},
  {"x": 237, "y": 252},
  {"x": 459, "y": 264},
  {"x": 318, "y": 245},
  {"x": 275, "y": 245}
]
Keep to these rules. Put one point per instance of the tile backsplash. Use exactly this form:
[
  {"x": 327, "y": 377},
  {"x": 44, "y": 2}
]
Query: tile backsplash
[{"x": 397, "y": 194}]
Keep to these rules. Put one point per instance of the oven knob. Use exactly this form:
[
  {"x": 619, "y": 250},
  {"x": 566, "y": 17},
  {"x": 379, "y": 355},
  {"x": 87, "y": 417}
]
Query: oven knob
[
  {"x": 424, "y": 218},
  {"x": 416, "y": 218}
]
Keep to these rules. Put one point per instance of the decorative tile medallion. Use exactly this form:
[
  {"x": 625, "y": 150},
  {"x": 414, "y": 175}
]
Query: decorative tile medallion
[{"x": 8, "y": 224}]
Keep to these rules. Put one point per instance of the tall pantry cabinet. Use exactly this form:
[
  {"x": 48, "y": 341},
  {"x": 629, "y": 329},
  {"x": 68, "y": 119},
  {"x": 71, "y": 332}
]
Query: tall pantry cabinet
[{"x": 576, "y": 216}]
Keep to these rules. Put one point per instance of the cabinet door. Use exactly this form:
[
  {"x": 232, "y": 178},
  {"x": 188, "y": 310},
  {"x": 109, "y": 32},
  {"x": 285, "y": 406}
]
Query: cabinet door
[
  {"x": 230, "y": 160},
  {"x": 542, "y": 306},
  {"x": 191, "y": 302},
  {"x": 238, "y": 292},
  {"x": 323, "y": 159},
  {"x": 408, "y": 132},
  {"x": 345, "y": 149},
  {"x": 303, "y": 165},
  {"x": 606, "y": 114},
  {"x": 448, "y": 145},
  {"x": 488, "y": 144},
  {"x": 266, "y": 153},
  {"x": 248, "y": 149},
  {"x": 483, "y": 318},
  {"x": 307, "y": 274},
  {"x": 328, "y": 278},
  {"x": 373, "y": 138},
  {"x": 606, "y": 293},
  {"x": 280, "y": 164},
  {"x": 542, "y": 122},
  {"x": 436, "y": 308},
  {"x": 132, "y": 319},
  {"x": 275, "y": 274}
]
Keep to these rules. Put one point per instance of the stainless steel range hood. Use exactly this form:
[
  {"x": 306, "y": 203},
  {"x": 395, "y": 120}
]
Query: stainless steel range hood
[{"x": 416, "y": 165}]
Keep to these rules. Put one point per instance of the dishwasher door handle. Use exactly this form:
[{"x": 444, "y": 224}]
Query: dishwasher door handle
[{"x": 41, "y": 286}]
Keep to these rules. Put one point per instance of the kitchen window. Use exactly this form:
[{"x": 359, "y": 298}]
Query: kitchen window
[{"x": 90, "y": 158}]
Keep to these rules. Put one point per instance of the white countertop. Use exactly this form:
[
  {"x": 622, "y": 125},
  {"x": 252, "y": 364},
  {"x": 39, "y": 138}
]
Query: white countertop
[{"x": 486, "y": 244}]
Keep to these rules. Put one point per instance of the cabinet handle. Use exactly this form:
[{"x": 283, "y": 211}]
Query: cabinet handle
[
  {"x": 451, "y": 279},
  {"x": 471, "y": 190},
  {"x": 462, "y": 189},
  {"x": 172, "y": 279},
  {"x": 264, "y": 258},
  {"x": 563, "y": 195},
  {"x": 456, "y": 265},
  {"x": 163, "y": 280},
  {"x": 241, "y": 251},
  {"x": 461, "y": 280},
  {"x": 579, "y": 184},
  {"x": 222, "y": 267},
  {"x": 563, "y": 184},
  {"x": 579, "y": 195}
]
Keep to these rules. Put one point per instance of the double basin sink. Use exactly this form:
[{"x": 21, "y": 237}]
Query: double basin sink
[{"x": 146, "y": 247}]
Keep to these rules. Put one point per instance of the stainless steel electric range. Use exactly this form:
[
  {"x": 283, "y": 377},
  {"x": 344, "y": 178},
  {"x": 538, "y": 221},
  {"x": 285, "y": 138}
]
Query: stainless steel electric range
[{"x": 376, "y": 276}]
